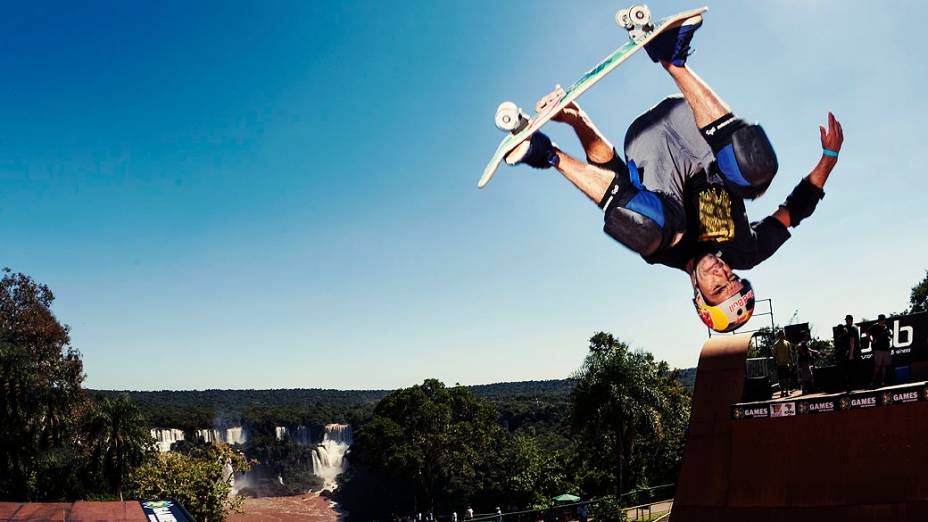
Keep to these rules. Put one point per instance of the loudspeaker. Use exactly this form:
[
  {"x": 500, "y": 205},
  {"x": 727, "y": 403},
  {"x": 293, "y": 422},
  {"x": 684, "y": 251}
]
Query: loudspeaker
[
  {"x": 796, "y": 333},
  {"x": 756, "y": 389},
  {"x": 828, "y": 379}
]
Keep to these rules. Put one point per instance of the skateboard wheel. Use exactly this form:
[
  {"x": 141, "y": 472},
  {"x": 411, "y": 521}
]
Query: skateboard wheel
[
  {"x": 640, "y": 14},
  {"x": 623, "y": 20},
  {"x": 508, "y": 116}
]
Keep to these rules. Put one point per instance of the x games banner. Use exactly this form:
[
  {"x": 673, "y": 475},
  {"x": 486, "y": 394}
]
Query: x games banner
[{"x": 831, "y": 403}]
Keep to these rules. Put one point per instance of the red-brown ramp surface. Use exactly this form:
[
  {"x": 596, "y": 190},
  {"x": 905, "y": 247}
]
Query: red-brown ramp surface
[{"x": 856, "y": 465}]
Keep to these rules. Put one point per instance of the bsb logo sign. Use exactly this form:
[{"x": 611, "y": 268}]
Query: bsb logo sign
[{"x": 908, "y": 335}]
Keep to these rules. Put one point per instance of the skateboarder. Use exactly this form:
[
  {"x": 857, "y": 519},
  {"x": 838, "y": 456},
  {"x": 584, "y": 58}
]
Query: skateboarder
[{"x": 678, "y": 199}]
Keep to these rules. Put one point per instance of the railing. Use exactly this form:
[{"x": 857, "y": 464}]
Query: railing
[{"x": 642, "y": 500}]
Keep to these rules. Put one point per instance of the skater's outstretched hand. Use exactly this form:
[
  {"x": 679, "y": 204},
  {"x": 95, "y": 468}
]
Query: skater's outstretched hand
[
  {"x": 834, "y": 136},
  {"x": 570, "y": 112}
]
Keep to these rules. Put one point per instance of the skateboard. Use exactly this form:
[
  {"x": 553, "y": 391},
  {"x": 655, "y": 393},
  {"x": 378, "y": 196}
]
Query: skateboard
[{"x": 518, "y": 126}]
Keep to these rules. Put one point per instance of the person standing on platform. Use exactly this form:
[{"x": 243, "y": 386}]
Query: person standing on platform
[
  {"x": 882, "y": 354},
  {"x": 804, "y": 362},
  {"x": 847, "y": 351},
  {"x": 783, "y": 355}
]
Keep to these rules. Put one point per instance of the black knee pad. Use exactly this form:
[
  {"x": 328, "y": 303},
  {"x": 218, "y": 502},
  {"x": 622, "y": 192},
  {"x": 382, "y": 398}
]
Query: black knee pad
[
  {"x": 749, "y": 163},
  {"x": 636, "y": 231}
]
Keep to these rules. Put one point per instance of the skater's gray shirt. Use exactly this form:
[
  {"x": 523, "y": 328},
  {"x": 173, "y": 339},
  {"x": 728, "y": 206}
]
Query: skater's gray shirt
[{"x": 667, "y": 147}]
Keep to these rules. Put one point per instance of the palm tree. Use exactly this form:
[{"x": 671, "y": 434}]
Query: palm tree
[
  {"x": 618, "y": 399},
  {"x": 117, "y": 438}
]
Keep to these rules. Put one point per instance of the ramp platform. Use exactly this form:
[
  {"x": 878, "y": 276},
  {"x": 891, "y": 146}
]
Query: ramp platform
[{"x": 857, "y": 456}]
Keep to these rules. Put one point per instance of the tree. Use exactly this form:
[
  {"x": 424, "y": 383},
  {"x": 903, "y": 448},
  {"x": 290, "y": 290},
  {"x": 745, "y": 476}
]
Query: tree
[
  {"x": 431, "y": 444},
  {"x": 918, "y": 299},
  {"x": 627, "y": 410},
  {"x": 117, "y": 439},
  {"x": 40, "y": 393},
  {"x": 199, "y": 481},
  {"x": 529, "y": 475}
]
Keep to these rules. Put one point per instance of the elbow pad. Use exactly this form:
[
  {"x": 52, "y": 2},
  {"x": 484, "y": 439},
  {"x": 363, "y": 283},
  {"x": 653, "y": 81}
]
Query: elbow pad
[{"x": 802, "y": 201}]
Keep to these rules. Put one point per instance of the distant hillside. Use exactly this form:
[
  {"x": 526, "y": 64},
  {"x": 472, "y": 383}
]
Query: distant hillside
[
  {"x": 520, "y": 404},
  {"x": 556, "y": 387},
  {"x": 688, "y": 378}
]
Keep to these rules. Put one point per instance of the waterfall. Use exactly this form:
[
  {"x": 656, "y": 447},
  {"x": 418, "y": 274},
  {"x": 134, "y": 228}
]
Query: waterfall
[
  {"x": 165, "y": 437},
  {"x": 329, "y": 457},
  {"x": 234, "y": 435},
  {"x": 300, "y": 434},
  {"x": 207, "y": 435}
]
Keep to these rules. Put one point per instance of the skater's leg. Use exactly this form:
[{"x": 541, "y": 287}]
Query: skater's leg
[
  {"x": 743, "y": 153},
  {"x": 707, "y": 106},
  {"x": 539, "y": 152},
  {"x": 642, "y": 220},
  {"x": 590, "y": 179}
]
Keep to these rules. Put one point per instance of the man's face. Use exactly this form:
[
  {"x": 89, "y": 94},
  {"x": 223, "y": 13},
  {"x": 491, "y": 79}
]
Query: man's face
[
  {"x": 716, "y": 280},
  {"x": 849, "y": 321}
]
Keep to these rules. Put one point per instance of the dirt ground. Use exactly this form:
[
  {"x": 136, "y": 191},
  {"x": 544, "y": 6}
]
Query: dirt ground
[{"x": 309, "y": 506}]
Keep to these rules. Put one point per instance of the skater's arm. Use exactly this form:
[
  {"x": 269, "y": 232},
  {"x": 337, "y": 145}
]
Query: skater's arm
[
  {"x": 831, "y": 142},
  {"x": 597, "y": 148},
  {"x": 791, "y": 212}
]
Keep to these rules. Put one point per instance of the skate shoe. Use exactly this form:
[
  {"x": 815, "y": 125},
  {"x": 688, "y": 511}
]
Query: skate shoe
[
  {"x": 673, "y": 45},
  {"x": 537, "y": 152}
]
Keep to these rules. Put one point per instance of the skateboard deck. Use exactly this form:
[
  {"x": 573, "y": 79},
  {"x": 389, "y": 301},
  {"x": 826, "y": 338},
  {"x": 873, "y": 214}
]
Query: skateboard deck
[{"x": 579, "y": 87}]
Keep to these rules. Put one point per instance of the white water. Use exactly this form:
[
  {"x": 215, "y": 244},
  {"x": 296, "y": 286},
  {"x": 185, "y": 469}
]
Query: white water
[
  {"x": 229, "y": 436},
  {"x": 164, "y": 438},
  {"x": 228, "y": 475},
  {"x": 235, "y": 436},
  {"x": 329, "y": 457}
]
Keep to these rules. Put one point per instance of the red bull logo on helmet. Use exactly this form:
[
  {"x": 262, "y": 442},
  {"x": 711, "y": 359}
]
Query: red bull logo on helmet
[{"x": 742, "y": 301}]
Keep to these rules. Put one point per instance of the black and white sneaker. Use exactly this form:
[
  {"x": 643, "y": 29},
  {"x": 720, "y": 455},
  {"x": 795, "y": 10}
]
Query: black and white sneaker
[
  {"x": 673, "y": 45},
  {"x": 537, "y": 152}
]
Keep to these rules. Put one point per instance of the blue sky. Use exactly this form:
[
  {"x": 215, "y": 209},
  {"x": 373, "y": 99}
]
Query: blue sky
[{"x": 254, "y": 195}]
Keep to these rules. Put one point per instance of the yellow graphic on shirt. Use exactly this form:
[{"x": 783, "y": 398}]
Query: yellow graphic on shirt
[{"x": 715, "y": 222}]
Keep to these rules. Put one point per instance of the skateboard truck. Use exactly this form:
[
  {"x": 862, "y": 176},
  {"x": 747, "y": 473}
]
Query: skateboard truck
[
  {"x": 636, "y": 20},
  {"x": 510, "y": 118}
]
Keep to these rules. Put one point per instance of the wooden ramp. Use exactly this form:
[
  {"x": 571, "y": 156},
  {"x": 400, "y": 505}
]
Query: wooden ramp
[{"x": 857, "y": 457}]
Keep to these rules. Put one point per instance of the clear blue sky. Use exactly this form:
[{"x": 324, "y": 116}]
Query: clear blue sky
[{"x": 270, "y": 195}]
